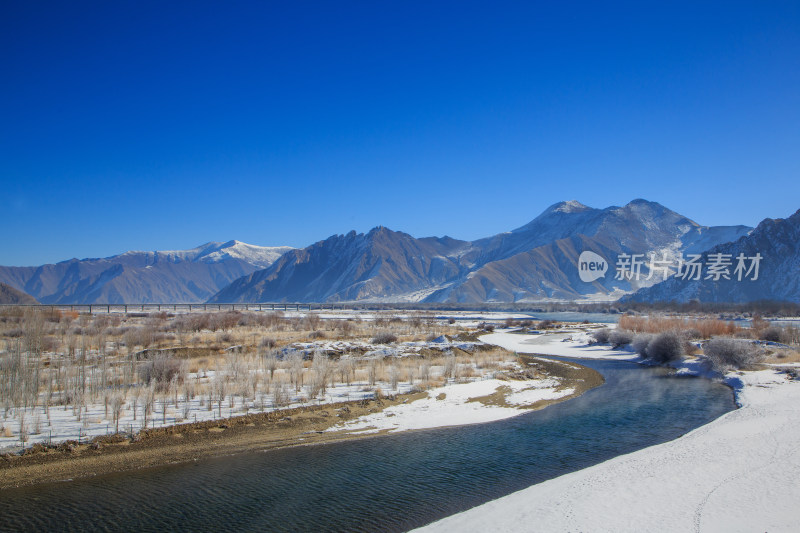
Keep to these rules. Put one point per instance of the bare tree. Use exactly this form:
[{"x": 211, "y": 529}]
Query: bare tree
[
  {"x": 271, "y": 364},
  {"x": 346, "y": 367},
  {"x": 280, "y": 394},
  {"x": 296, "y": 370},
  {"x": 116, "y": 410},
  {"x": 425, "y": 371},
  {"x": 394, "y": 376},
  {"x": 450, "y": 366},
  {"x": 372, "y": 369},
  {"x": 321, "y": 368},
  {"x": 23, "y": 428}
]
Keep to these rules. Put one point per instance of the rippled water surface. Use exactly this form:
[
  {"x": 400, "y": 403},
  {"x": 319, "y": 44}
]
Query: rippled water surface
[{"x": 388, "y": 483}]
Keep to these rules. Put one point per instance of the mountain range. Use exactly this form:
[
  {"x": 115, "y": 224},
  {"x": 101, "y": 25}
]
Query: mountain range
[
  {"x": 776, "y": 241},
  {"x": 538, "y": 261},
  {"x": 179, "y": 276},
  {"x": 532, "y": 263}
]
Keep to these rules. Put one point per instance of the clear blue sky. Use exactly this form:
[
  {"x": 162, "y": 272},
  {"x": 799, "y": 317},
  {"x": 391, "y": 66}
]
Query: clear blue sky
[{"x": 163, "y": 125}]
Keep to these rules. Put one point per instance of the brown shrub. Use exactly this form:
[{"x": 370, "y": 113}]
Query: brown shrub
[
  {"x": 161, "y": 370},
  {"x": 384, "y": 338},
  {"x": 704, "y": 327}
]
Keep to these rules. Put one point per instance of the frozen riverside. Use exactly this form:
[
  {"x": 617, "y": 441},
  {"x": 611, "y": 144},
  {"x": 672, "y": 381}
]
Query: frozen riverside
[
  {"x": 738, "y": 473},
  {"x": 423, "y": 475}
]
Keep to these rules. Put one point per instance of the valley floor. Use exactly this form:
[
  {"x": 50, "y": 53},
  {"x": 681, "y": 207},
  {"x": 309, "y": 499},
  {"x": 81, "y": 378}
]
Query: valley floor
[{"x": 738, "y": 473}]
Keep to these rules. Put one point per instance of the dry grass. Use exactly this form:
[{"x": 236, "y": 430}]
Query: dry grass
[
  {"x": 73, "y": 361},
  {"x": 705, "y": 327},
  {"x": 782, "y": 356}
]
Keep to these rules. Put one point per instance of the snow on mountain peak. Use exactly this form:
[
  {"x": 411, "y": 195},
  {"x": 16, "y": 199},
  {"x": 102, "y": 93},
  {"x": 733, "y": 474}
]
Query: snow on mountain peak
[
  {"x": 570, "y": 206},
  {"x": 215, "y": 252},
  {"x": 261, "y": 256}
]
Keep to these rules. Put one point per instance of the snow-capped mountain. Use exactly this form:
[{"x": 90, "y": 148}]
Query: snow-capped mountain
[
  {"x": 211, "y": 252},
  {"x": 179, "y": 276},
  {"x": 777, "y": 241},
  {"x": 640, "y": 225},
  {"x": 381, "y": 263},
  {"x": 537, "y": 261}
]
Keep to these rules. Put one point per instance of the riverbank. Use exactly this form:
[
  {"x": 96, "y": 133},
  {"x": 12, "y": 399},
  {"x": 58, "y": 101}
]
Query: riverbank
[
  {"x": 537, "y": 384},
  {"x": 183, "y": 443},
  {"x": 482, "y": 401},
  {"x": 737, "y": 473}
]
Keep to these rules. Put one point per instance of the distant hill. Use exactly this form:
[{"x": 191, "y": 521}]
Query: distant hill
[
  {"x": 381, "y": 263},
  {"x": 776, "y": 240},
  {"x": 10, "y": 295},
  {"x": 179, "y": 276},
  {"x": 532, "y": 263}
]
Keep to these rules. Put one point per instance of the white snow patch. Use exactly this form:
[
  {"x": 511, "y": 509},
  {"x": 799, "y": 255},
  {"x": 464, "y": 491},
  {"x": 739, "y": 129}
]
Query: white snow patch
[
  {"x": 568, "y": 344},
  {"x": 455, "y": 407}
]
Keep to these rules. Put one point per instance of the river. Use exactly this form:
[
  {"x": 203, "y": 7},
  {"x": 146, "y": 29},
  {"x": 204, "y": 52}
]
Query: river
[{"x": 388, "y": 483}]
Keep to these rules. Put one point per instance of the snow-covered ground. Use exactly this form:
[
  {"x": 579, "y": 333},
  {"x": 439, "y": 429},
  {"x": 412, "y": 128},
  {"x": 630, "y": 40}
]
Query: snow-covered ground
[
  {"x": 398, "y": 349},
  {"x": 58, "y": 424},
  {"x": 572, "y": 343},
  {"x": 737, "y": 473},
  {"x": 456, "y": 405}
]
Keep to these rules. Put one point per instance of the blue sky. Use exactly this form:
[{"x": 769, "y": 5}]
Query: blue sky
[{"x": 145, "y": 126}]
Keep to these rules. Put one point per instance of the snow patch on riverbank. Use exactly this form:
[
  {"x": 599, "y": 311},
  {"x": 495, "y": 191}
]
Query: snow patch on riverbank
[
  {"x": 567, "y": 344},
  {"x": 459, "y": 404}
]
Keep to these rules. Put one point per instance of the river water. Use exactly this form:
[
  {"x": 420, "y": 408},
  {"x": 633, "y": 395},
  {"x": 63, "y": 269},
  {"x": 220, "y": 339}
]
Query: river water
[{"x": 390, "y": 483}]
